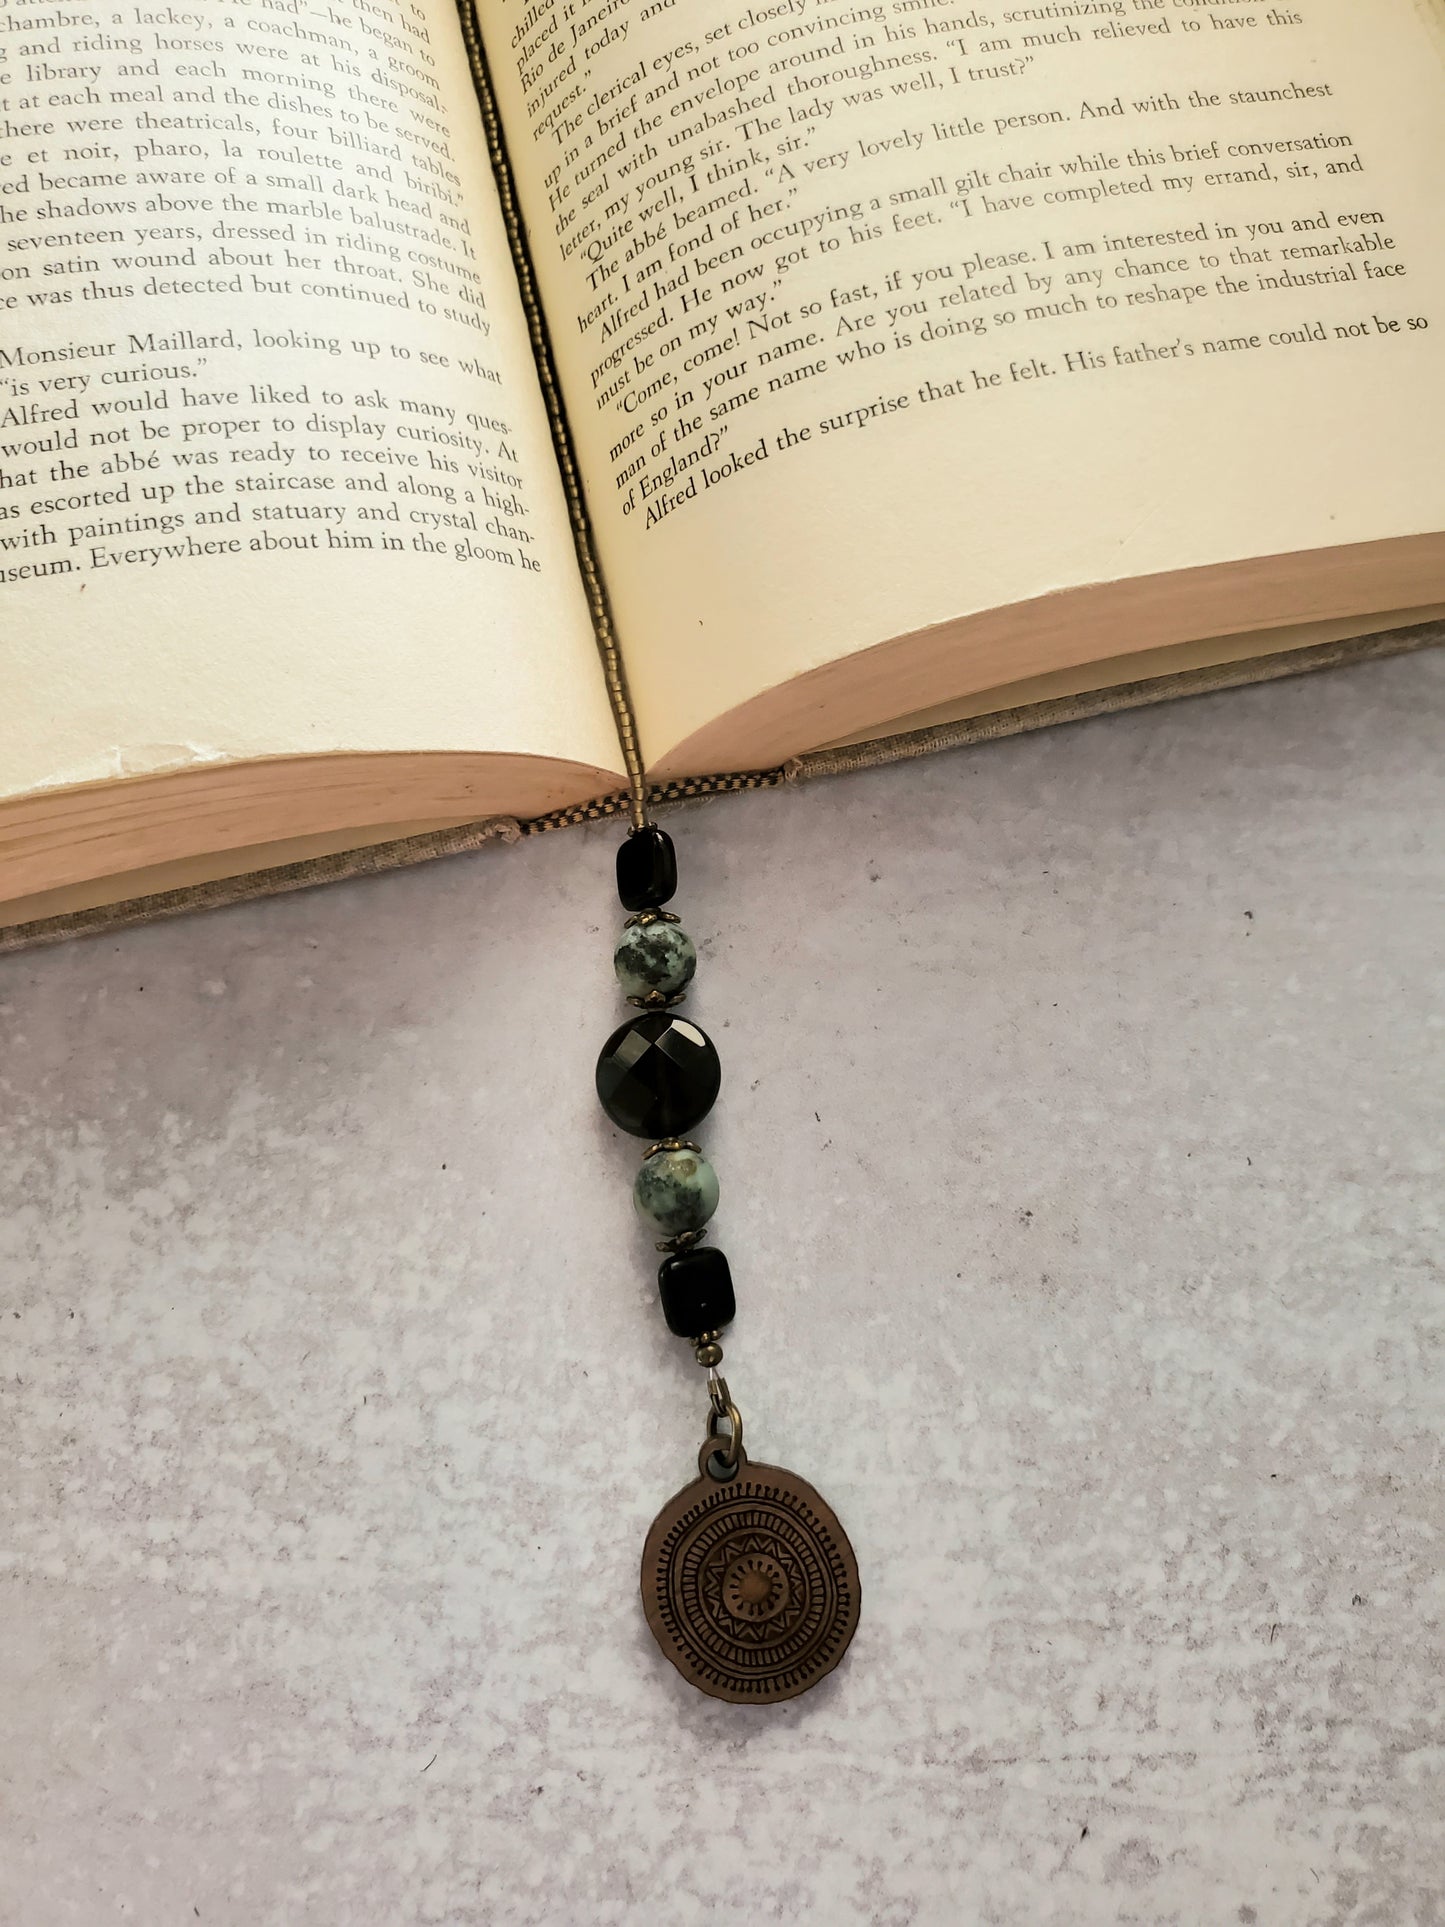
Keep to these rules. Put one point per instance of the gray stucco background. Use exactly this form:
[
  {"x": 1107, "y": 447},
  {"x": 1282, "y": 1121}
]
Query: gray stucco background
[{"x": 1080, "y": 1145}]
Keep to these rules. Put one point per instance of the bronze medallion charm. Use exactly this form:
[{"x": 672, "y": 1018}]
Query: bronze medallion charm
[{"x": 749, "y": 1583}]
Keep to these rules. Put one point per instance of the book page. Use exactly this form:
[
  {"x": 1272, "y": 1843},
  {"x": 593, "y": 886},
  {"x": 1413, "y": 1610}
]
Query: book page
[
  {"x": 275, "y": 475},
  {"x": 876, "y": 313}
]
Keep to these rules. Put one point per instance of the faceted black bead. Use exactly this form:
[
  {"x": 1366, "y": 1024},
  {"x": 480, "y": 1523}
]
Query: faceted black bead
[
  {"x": 646, "y": 870},
  {"x": 658, "y": 1075},
  {"x": 697, "y": 1291}
]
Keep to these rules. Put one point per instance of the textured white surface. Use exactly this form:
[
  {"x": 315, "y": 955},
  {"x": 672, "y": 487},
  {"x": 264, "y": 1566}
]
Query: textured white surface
[{"x": 1080, "y": 1146}]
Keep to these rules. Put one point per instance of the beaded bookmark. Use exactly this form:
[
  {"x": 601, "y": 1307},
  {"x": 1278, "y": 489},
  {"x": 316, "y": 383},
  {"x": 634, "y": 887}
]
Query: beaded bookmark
[{"x": 748, "y": 1581}]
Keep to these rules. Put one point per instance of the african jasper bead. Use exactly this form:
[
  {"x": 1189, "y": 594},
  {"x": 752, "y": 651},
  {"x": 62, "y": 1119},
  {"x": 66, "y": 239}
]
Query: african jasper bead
[
  {"x": 654, "y": 959},
  {"x": 696, "y": 1288},
  {"x": 675, "y": 1191},
  {"x": 658, "y": 1075}
]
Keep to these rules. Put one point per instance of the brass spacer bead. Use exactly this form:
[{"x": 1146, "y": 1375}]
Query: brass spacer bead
[
  {"x": 671, "y": 1144},
  {"x": 642, "y": 918},
  {"x": 657, "y": 1000},
  {"x": 708, "y": 1351},
  {"x": 684, "y": 1241}
]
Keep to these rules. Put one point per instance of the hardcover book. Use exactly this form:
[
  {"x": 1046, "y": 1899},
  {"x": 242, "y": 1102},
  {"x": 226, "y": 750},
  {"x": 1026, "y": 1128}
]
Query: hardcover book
[{"x": 415, "y": 420}]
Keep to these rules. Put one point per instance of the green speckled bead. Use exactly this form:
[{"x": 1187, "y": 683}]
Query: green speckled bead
[
  {"x": 654, "y": 956},
  {"x": 675, "y": 1191}
]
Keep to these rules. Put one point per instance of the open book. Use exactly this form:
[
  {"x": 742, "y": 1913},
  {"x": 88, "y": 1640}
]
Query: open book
[{"x": 847, "y": 369}]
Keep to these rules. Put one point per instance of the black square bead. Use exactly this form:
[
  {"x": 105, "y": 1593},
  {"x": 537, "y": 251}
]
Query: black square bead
[
  {"x": 697, "y": 1291},
  {"x": 646, "y": 869}
]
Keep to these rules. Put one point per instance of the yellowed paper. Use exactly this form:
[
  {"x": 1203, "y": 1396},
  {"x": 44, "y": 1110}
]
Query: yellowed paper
[
  {"x": 275, "y": 476},
  {"x": 875, "y": 316},
  {"x": 1145, "y": 664}
]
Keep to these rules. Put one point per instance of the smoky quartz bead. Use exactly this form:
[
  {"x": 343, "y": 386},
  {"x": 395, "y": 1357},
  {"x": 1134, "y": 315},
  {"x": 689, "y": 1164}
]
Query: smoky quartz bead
[
  {"x": 646, "y": 869},
  {"x": 658, "y": 1075},
  {"x": 697, "y": 1291}
]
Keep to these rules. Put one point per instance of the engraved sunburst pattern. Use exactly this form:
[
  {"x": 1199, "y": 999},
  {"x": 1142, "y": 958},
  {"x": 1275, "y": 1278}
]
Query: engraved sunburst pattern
[{"x": 750, "y": 1585}]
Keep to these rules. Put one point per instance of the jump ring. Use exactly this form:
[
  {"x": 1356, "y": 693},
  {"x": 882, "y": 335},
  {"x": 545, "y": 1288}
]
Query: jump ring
[{"x": 729, "y": 1453}]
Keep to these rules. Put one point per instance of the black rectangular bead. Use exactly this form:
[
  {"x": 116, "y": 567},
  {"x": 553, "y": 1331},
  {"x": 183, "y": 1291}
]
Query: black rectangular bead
[
  {"x": 646, "y": 869},
  {"x": 697, "y": 1291}
]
